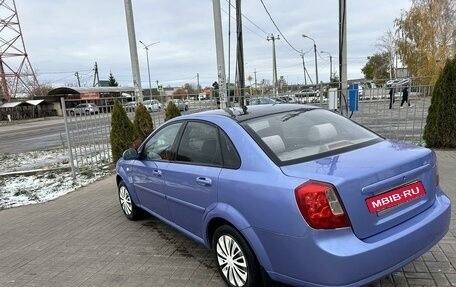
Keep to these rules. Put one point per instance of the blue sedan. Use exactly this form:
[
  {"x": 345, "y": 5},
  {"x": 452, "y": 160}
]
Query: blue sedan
[{"x": 292, "y": 193}]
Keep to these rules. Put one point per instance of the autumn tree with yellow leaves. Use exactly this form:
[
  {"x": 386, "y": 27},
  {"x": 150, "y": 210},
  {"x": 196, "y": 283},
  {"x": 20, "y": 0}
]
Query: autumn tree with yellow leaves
[{"x": 426, "y": 38}]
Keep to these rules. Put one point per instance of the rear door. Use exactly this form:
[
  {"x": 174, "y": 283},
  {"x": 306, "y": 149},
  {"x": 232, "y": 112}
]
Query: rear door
[{"x": 192, "y": 180}]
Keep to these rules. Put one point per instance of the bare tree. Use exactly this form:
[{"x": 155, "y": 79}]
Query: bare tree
[{"x": 387, "y": 44}]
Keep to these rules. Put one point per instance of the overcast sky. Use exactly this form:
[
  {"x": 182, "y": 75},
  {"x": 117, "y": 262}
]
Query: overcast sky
[{"x": 63, "y": 37}]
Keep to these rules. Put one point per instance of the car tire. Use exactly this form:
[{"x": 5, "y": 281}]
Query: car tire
[
  {"x": 235, "y": 260},
  {"x": 129, "y": 208}
]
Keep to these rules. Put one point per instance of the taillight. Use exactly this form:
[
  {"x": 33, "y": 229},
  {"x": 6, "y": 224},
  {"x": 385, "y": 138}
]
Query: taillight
[{"x": 320, "y": 205}]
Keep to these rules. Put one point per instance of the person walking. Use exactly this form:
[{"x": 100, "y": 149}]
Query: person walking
[
  {"x": 391, "y": 93},
  {"x": 405, "y": 98}
]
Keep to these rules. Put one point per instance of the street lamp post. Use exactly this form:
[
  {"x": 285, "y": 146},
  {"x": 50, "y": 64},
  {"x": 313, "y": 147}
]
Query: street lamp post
[
  {"x": 330, "y": 65},
  {"x": 315, "y": 52},
  {"x": 146, "y": 47}
]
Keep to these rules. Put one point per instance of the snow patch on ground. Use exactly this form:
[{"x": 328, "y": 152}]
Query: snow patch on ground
[{"x": 56, "y": 181}]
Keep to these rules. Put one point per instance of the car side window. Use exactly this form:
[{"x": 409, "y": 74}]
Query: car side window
[
  {"x": 200, "y": 144},
  {"x": 159, "y": 146},
  {"x": 231, "y": 158}
]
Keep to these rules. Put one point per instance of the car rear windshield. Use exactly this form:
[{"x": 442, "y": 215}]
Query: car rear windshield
[{"x": 300, "y": 134}]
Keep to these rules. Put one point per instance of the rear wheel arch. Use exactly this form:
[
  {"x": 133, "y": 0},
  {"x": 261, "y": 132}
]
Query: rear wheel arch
[
  {"x": 212, "y": 227},
  {"x": 239, "y": 223}
]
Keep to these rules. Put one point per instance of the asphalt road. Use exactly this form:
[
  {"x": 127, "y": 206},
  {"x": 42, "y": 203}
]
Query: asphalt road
[
  {"x": 32, "y": 136},
  {"x": 45, "y": 134}
]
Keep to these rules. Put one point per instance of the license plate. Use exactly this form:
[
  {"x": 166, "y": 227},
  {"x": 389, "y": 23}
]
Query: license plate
[{"x": 395, "y": 197}]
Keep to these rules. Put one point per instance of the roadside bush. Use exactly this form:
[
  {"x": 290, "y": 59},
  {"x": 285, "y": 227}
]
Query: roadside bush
[
  {"x": 143, "y": 123},
  {"x": 171, "y": 111},
  {"x": 440, "y": 129},
  {"x": 122, "y": 131}
]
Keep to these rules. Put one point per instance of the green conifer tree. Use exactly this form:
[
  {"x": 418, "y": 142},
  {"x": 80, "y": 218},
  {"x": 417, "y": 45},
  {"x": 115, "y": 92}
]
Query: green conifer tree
[
  {"x": 112, "y": 81},
  {"x": 171, "y": 111},
  {"x": 143, "y": 123},
  {"x": 122, "y": 133},
  {"x": 440, "y": 129}
]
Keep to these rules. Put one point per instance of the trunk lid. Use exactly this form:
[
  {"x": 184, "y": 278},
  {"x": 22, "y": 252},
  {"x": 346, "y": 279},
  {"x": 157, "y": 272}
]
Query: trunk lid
[{"x": 370, "y": 179}]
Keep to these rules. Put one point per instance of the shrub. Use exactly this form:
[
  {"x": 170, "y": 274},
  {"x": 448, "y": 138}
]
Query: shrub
[
  {"x": 171, "y": 111},
  {"x": 440, "y": 129},
  {"x": 143, "y": 123},
  {"x": 122, "y": 131}
]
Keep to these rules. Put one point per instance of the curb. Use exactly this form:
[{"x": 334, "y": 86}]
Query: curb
[{"x": 32, "y": 172}]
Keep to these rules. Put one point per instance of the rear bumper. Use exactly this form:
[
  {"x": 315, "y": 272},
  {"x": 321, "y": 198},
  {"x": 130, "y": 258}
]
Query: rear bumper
[{"x": 339, "y": 258}]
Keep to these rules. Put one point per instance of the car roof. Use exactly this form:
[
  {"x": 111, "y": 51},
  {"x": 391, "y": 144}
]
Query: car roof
[{"x": 244, "y": 113}]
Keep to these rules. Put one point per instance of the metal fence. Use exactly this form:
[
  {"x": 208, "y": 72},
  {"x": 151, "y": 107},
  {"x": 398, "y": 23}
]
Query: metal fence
[
  {"x": 405, "y": 124},
  {"x": 88, "y": 135}
]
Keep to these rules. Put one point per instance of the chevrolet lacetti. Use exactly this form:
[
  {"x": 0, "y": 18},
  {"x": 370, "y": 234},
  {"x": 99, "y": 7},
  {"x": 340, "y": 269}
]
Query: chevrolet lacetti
[{"x": 288, "y": 192}]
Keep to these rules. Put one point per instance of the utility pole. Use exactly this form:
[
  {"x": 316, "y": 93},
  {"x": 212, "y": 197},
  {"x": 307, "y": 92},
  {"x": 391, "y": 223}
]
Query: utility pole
[
  {"x": 255, "y": 72},
  {"x": 342, "y": 51},
  {"x": 240, "y": 53},
  {"x": 160, "y": 90},
  {"x": 133, "y": 51},
  {"x": 220, "y": 53},
  {"x": 228, "y": 77},
  {"x": 198, "y": 84},
  {"x": 96, "y": 77},
  {"x": 330, "y": 68},
  {"x": 77, "y": 78},
  {"x": 330, "y": 64},
  {"x": 274, "y": 65},
  {"x": 304, "y": 68}
]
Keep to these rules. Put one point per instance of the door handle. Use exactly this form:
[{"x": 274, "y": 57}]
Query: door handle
[
  {"x": 204, "y": 181},
  {"x": 157, "y": 172}
]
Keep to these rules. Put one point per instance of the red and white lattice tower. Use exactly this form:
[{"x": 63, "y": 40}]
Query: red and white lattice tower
[{"x": 16, "y": 74}]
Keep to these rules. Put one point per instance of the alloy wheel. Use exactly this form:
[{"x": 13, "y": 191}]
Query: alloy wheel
[
  {"x": 125, "y": 200},
  {"x": 232, "y": 261}
]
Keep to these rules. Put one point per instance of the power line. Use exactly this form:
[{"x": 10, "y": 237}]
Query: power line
[
  {"x": 246, "y": 18},
  {"x": 232, "y": 17},
  {"x": 280, "y": 32},
  {"x": 69, "y": 72}
]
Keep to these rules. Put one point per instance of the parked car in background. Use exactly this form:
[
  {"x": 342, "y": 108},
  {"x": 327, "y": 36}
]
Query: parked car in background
[
  {"x": 152, "y": 105},
  {"x": 84, "y": 109},
  {"x": 307, "y": 92},
  {"x": 262, "y": 101},
  {"x": 397, "y": 83},
  {"x": 307, "y": 95},
  {"x": 180, "y": 104},
  {"x": 294, "y": 192},
  {"x": 130, "y": 106},
  {"x": 287, "y": 98}
]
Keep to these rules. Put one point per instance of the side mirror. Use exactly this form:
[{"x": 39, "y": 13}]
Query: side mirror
[{"x": 130, "y": 154}]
